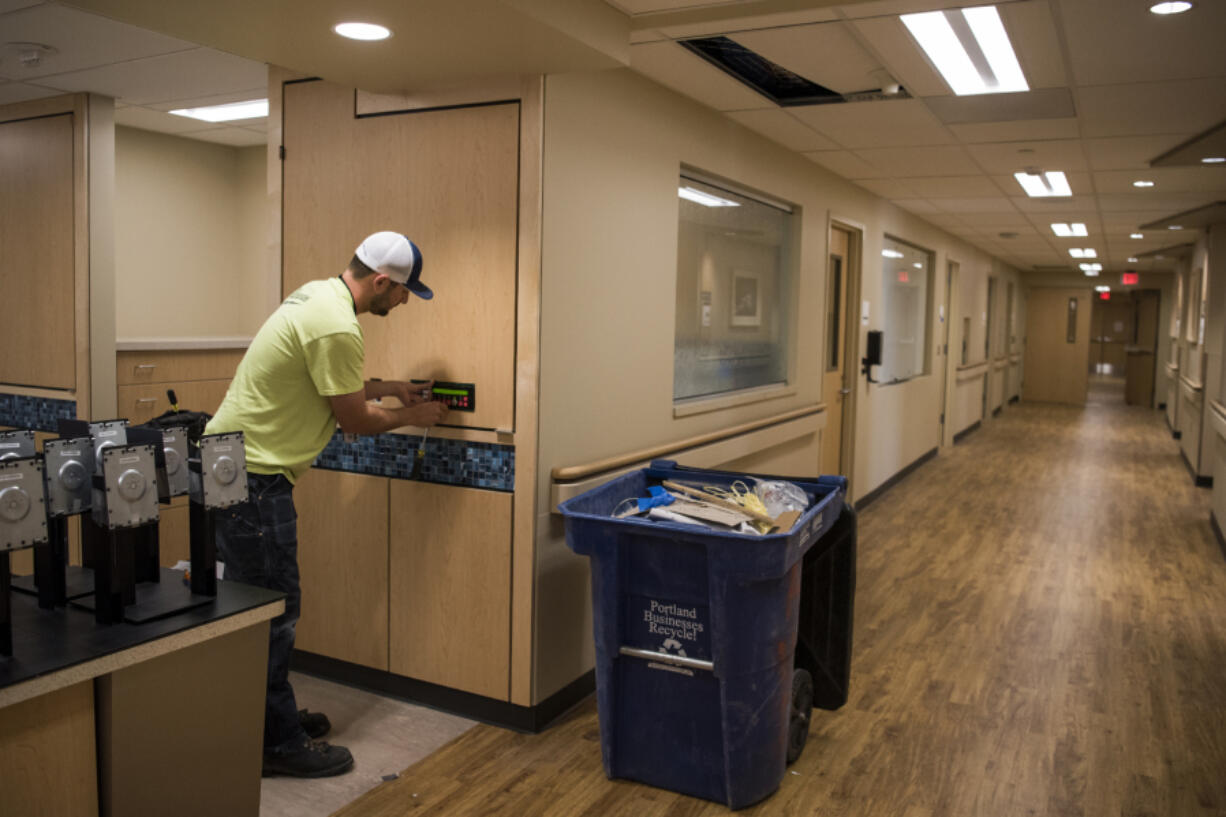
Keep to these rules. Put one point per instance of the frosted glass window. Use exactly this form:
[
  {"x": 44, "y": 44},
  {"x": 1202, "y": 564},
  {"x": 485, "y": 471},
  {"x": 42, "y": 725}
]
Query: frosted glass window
[
  {"x": 734, "y": 272},
  {"x": 906, "y": 292}
]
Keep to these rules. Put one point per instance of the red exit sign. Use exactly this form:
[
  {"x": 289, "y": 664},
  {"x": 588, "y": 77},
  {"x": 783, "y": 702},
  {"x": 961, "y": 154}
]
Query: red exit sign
[
  {"x": 1128, "y": 279},
  {"x": 1105, "y": 296}
]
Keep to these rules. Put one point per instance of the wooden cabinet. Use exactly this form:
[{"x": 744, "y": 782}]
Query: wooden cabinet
[
  {"x": 450, "y": 579},
  {"x": 343, "y": 561},
  {"x": 199, "y": 379}
]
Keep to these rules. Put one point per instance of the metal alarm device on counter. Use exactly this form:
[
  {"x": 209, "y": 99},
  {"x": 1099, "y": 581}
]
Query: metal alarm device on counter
[
  {"x": 23, "y": 518},
  {"x": 217, "y": 476}
]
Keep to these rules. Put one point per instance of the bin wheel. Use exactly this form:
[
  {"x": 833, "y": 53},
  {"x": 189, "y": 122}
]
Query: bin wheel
[{"x": 802, "y": 710}]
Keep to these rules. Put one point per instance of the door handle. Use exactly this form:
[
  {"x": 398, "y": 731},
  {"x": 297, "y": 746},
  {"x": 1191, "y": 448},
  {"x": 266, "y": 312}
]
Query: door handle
[{"x": 844, "y": 391}]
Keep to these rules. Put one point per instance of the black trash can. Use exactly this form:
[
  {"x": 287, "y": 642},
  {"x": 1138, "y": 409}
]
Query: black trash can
[{"x": 696, "y": 632}]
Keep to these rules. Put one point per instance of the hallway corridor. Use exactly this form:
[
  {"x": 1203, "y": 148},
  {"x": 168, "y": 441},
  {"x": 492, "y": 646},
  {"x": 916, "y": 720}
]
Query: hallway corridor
[{"x": 1041, "y": 630}]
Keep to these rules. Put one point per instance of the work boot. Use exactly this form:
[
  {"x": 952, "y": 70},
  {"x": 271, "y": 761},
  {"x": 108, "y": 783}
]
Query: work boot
[
  {"x": 311, "y": 758},
  {"x": 315, "y": 724}
]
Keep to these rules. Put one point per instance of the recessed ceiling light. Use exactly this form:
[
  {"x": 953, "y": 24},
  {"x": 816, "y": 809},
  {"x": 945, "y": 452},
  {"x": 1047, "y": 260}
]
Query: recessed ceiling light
[
  {"x": 1094, "y": 268},
  {"x": 362, "y": 31},
  {"x": 1132, "y": 260},
  {"x": 1068, "y": 230},
  {"x": 1213, "y": 160},
  {"x": 1137, "y": 235},
  {"x": 1041, "y": 185},
  {"x": 891, "y": 253},
  {"x": 1088, "y": 252},
  {"x": 1142, "y": 183},
  {"x": 1174, "y": 7},
  {"x": 1102, "y": 288},
  {"x": 705, "y": 199},
  {"x": 231, "y": 111},
  {"x": 1175, "y": 227},
  {"x": 970, "y": 48},
  {"x": 918, "y": 265},
  {"x": 1091, "y": 273}
]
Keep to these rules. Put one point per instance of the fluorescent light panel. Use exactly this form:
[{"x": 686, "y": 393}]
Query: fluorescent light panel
[
  {"x": 1136, "y": 235},
  {"x": 970, "y": 48},
  {"x": 1102, "y": 288},
  {"x": 1043, "y": 185},
  {"x": 891, "y": 253},
  {"x": 1091, "y": 268},
  {"x": 705, "y": 199},
  {"x": 1069, "y": 230},
  {"x": 1173, "y": 7},
  {"x": 251, "y": 109},
  {"x": 1088, "y": 252}
]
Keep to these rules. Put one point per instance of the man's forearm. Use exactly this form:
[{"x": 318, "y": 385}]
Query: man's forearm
[{"x": 377, "y": 419}]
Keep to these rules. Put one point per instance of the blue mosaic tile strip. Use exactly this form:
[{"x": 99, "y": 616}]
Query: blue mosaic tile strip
[
  {"x": 38, "y": 413},
  {"x": 451, "y": 462}
]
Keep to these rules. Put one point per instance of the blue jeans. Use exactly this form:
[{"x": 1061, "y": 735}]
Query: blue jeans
[{"x": 258, "y": 541}]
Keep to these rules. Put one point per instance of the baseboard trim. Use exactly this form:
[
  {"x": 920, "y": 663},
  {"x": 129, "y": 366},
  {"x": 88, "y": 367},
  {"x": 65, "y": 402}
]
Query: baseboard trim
[
  {"x": 529, "y": 719},
  {"x": 1217, "y": 531},
  {"x": 962, "y": 434},
  {"x": 874, "y": 494}
]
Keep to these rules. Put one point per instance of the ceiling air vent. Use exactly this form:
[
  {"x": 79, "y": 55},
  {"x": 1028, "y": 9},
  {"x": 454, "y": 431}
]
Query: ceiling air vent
[{"x": 767, "y": 78}]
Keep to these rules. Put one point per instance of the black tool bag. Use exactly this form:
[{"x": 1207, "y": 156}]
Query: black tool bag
[{"x": 193, "y": 421}]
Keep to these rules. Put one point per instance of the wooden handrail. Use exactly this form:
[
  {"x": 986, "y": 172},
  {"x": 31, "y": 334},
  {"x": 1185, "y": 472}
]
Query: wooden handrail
[{"x": 574, "y": 472}]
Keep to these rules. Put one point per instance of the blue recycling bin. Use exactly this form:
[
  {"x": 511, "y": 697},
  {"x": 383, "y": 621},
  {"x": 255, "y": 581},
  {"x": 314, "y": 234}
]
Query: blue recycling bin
[{"x": 695, "y": 635}]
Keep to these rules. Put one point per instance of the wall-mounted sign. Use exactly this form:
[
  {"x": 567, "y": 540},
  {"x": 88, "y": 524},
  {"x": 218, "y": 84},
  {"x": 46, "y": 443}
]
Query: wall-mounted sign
[{"x": 1129, "y": 279}]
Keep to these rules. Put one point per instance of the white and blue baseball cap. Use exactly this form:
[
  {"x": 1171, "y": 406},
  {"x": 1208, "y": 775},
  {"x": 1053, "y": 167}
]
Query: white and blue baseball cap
[{"x": 397, "y": 257}]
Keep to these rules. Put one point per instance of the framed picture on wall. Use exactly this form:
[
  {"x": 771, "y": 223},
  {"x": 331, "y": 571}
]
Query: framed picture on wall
[{"x": 746, "y": 299}]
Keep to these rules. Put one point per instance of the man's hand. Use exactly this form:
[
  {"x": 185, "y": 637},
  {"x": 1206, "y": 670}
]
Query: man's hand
[
  {"x": 410, "y": 394},
  {"x": 427, "y": 413}
]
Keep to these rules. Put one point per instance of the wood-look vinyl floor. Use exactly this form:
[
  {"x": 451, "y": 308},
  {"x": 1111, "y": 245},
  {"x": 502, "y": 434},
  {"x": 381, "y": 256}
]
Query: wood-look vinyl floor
[{"x": 1041, "y": 630}]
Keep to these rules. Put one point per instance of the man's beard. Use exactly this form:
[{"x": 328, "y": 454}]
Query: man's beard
[{"x": 382, "y": 304}]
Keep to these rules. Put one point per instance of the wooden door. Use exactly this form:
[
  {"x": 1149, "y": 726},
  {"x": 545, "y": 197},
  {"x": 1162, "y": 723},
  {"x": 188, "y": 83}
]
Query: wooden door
[
  {"x": 1057, "y": 346},
  {"x": 834, "y": 381},
  {"x": 449, "y": 179},
  {"x": 37, "y": 236},
  {"x": 450, "y": 571}
]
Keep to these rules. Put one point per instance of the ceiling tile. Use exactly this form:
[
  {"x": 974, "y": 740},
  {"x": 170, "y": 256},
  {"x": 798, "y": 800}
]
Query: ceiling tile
[
  {"x": 779, "y": 125},
  {"x": 921, "y": 206},
  {"x": 888, "y": 188},
  {"x": 874, "y": 124},
  {"x": 1136, "y": 46},
  {"x": 186, "y": 74},
  {"x": 918, "y": 162},
  {"x": 669, "y": 64},
  {"x": 999, "y": 204},
  {"x": 1127, "y": 152},
  {"x": 731, "y": 24},
  {"x": 83, "y": 40},
  {"x": 847, "y": 164},
  {"x": 22, "y": 92},
  {"x": 824, "y": 53},
  {"x": 12, "y": 5},
  {"x": 1007, "y": 158},
  {"x": 1184, "y": 107},
  {"x": 1043, "y": 104},
  {"x": 942, "y": 187},
  {"x": 1054, "y": 206},
  {"x": 1017, "y": 131}
]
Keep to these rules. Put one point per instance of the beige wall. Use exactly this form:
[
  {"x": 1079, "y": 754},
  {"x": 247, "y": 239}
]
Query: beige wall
[
  {"x": 615, "y": 144},
  {"x": 190, "y": 224}
]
